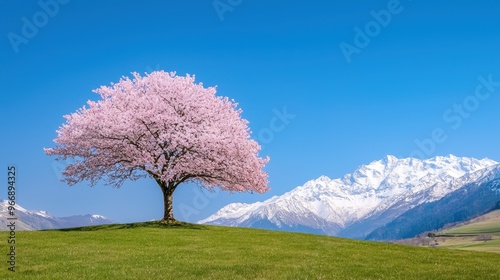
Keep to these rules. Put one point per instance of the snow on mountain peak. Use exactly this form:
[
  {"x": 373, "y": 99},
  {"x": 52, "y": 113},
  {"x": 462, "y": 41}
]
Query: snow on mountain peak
[
  {"x": 42, "y": 214},
  {"x": 98, "y": 217},
  {"x": 379, "y": 174},
  {"x": 370, "y": 189},
  {"x": 33, "y": 220}
]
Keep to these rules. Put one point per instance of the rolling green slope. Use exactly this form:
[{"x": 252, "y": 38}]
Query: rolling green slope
[
  {"x": 186, "y": 251},
  {"x": 479, "y": 234},
  {"x": 488, "y": 223}
]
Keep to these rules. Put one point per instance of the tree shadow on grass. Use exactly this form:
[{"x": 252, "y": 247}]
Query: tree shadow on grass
[{"x": 152, "y": 224}]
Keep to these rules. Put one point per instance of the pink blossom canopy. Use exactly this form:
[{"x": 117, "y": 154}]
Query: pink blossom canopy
[{"x": 163, "y": 126}]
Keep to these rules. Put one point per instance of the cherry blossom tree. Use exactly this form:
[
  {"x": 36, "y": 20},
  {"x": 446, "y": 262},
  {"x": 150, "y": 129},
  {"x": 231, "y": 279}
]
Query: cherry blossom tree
[{"x": 164, "y": 127}]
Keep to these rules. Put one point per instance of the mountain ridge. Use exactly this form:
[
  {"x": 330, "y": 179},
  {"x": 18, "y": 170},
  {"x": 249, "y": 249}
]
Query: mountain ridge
[
  {"x": 39, "y": 220},
  {"x": 371, "y": 196}
]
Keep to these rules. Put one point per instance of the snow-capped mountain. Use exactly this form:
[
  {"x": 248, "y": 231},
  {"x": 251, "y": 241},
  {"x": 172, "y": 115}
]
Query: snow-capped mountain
[
  {"x": 34, "y": 220},
  {"x": 360, "y": 202},
  {"x": 473, "y": 199}
]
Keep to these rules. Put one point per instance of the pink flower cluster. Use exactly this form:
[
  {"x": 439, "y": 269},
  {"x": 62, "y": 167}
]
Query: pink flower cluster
[{"x": 163, "y": 126}]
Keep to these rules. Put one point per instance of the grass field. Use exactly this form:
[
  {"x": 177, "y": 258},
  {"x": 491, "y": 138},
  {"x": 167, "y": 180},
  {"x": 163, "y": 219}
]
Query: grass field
[
  {"x": 465, "y": 236},
  {"x": 156, "y": 251}
]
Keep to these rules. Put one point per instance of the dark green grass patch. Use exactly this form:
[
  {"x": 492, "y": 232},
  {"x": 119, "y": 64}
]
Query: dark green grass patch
[{"x": 474, "y": 230}]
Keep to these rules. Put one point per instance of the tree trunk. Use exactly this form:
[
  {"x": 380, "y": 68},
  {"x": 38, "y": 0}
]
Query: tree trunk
[{"x": 168, "y": 212}]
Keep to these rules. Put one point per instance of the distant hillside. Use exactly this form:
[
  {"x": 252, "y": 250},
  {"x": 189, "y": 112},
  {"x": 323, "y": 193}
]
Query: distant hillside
[
  {"x": 34, "y": 220},
  {"x": 479, "y": 234},
  {"x": 488, "y": 223},
  {"x": 461, "y": 205}
]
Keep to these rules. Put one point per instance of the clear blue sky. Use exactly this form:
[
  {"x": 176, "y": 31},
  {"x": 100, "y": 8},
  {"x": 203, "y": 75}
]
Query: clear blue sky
[{"x": 414, "y": 78}]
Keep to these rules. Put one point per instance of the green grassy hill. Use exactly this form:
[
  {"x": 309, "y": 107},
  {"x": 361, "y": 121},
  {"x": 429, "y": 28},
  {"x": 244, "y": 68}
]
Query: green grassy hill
[
  {"x": 186, "y": 251},
  {"x": 479, "y": 234}
]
